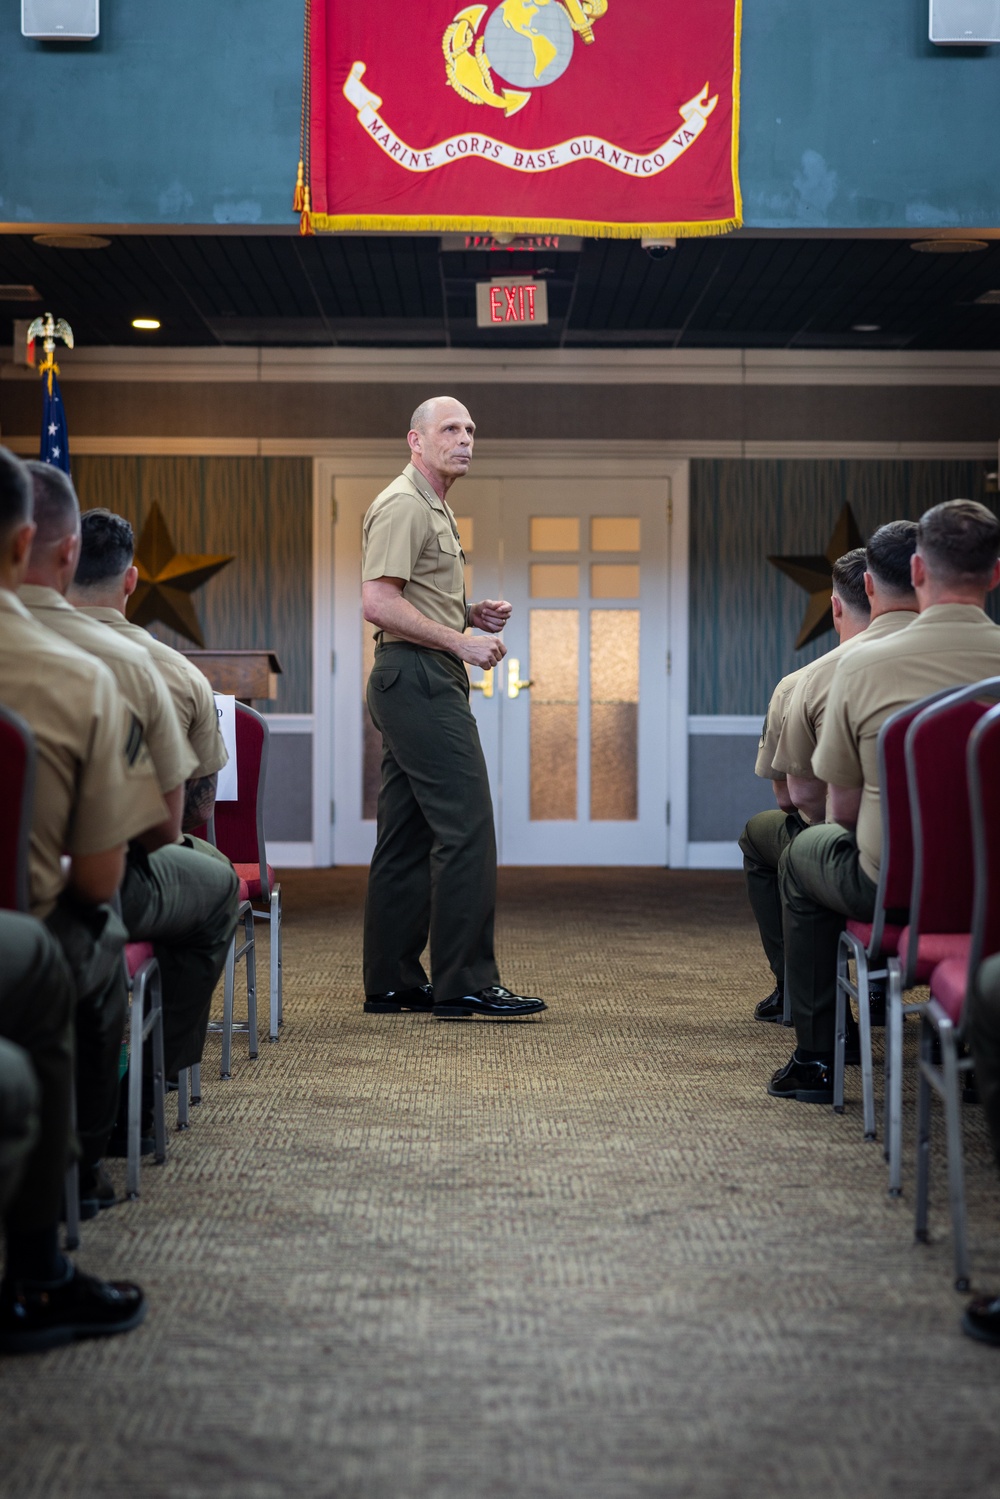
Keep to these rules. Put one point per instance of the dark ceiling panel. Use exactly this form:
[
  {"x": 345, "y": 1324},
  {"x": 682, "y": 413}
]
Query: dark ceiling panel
[{"x": 732, "y": 292}]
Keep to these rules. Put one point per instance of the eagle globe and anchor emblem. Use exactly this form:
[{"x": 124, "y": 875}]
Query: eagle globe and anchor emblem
[{"x": 527, "y": 43}]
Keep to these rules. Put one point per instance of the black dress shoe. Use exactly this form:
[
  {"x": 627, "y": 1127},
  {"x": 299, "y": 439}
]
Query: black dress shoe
[
  {"x": 982, "y": 1320},
  {"x": 771, "y": 1008},
  {"x": 421, "y": 998},
  {"x": 495, "y": 1003},
  {"x": 806, "y": 1082},
  {"x": 36, "y": 1315},
  {"x": 876, "y": 1004}
]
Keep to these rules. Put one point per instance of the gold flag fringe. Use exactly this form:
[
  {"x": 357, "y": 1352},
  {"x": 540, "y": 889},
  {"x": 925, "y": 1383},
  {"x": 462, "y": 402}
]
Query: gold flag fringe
[{"x": 390, "y": 223}]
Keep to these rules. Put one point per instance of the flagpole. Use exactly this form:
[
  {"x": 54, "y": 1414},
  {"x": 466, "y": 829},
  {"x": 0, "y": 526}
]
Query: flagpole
[{"x": 54, "y": 447}]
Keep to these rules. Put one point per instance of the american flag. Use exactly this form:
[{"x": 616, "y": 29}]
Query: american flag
[{"x": 55, "y": 438}]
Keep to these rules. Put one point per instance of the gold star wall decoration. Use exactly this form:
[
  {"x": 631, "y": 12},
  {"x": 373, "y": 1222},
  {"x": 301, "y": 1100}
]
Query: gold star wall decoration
[
  {"x": 167, "y": 578},
  {"x": 815, "y": 575}
]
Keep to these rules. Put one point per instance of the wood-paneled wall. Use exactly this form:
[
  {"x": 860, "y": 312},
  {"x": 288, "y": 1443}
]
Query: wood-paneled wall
[
  {"x": 745, "y": 614},
  {"x": 260, "y": 509}
]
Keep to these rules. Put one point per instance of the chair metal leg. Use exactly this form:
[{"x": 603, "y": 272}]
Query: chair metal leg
[
  {"x": 71, "y": 1187},
  {"x": 196, "y": 1084},
  {"x": 136, "y": 1027},
  {"x": 71, "y": 1190},
  {"x": 839, "y": 1048},
  {"x": 865, "y": 1046},
  {"x": 894, "y": 1077},
  {"x": 281, "y": 964},
  {"x": 923, "y": 1131},
  {"x": 251, "y": 957},
  {"x": 159, "y": 1073},
  {"x": 226, "y": 1065},
  {"x": 183, "y": 1085},
  {"x": 275, "y": 996},
  {"x": 956, "y": 1165}
]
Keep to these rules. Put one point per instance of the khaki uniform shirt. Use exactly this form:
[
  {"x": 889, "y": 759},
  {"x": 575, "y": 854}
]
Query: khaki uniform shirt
[
  {"x": 807, "y": 705},
  {"x": 95, "y": 786},
  {"x": 947, "y": 645},
  {"x": 410, "y": 533},
  {"x": 139, "y": 683},
  {"x": 773, "y": 720},
  {"x": 189, "y": 688}
]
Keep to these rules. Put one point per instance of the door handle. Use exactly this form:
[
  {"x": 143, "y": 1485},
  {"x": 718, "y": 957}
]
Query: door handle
[
  {"x": 515, "y": 684},
  {"x": 485, "y": 684}
]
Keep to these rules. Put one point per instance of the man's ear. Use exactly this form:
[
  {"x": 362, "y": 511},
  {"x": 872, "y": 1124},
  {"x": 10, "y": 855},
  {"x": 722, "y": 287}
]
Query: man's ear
[
  {"x": 413, "y": 440},
  {"x": 21, "y": 542},
  {"x": 918, "y": 570},
  {"x": 869, "y": 586},
  {"x": 131, "y": 580},
  {"x": 837, "y": 606}
]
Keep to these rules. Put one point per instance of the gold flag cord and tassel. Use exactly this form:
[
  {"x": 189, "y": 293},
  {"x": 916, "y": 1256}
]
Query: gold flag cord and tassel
[{"x": 302, "y": 199}]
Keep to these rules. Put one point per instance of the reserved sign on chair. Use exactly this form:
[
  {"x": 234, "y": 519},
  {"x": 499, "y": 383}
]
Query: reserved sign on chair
[{"x": 228, "y": 787}]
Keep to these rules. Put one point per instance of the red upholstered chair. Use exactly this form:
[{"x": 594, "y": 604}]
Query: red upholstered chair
[
  {"x": 870, "y": 945},
  {"x": 941, "y": 893},
  {"x": 944, "y": 1015},
  {"x": 239, "y": 834}
]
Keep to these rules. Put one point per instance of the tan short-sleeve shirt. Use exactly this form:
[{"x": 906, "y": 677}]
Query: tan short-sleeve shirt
[
  {"x": 95, "y": 786},
  {"x": 189, "y": 689},
  {"x": 410, "y": 533},
  {"x": 807, "y": 705},
  {"x": 947, "y": 645},
  {"x": 773, "y": 720},
  {"x": 139, "y": 683}
]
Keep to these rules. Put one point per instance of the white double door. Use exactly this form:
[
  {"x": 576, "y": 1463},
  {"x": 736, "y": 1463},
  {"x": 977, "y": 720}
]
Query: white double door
[{"x": 574, "y": 723}]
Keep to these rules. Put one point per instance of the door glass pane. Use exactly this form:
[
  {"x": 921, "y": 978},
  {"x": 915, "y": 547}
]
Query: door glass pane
[
  {"x": 554, "y": 636},
  {"x": 555, "y": 533},
  {"x": 555, "y": 580},
  {"x": 371, "y": 776},
  {"x": 614, "y": 580},
  {"x": 614, "y": 715},
  {"x": 614, "y": 533}
]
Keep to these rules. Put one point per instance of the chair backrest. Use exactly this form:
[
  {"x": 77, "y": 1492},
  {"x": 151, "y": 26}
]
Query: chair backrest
[
  {"x": 239, "y": 825},
  {"x": 936, "y": 749},
  {"x": 896, "y": 861},
  {"x": 17, "y": 780},
  {"x": 984, "y": 805}
]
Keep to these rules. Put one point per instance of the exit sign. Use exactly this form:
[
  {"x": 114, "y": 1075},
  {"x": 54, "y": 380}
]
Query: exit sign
[{"x": 509, "y": 300}]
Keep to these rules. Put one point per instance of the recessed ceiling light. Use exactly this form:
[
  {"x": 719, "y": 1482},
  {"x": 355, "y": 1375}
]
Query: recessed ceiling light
[
  {"x": 866, "y": 327},
  {"x": 949, "y": 246},
  {"x": 72, "y": 241},
  {"x": 15, "y": 293},
  {"x": 146, "y": 324}
]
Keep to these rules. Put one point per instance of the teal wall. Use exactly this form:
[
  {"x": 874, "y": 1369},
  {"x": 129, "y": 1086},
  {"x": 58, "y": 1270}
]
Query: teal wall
[
  {"x": 745, "y": 614},
  {"x": 259, "y": 510},
  {"x": 188, "y": 113}
]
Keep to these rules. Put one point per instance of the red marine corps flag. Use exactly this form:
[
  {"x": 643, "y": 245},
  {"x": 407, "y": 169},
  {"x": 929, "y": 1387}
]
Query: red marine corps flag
[{"x": 602, "y": 117}]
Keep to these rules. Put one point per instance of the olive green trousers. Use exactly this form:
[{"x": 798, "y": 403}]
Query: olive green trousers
[
  {"x": 433, "y": 873},
  {"x": 37, "y": 999}
]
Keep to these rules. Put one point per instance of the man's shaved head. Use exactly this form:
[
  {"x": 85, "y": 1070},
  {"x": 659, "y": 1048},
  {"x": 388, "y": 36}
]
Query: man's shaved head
[
  {"x": 57, "y": 509},
  {"x": 427, "y": 411}
]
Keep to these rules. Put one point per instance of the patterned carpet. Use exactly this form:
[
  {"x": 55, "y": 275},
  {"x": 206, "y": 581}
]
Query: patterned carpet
[{"x": 582, "y": 1257}]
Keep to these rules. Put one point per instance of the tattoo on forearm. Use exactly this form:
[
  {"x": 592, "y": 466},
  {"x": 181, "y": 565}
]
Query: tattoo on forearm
[{"x": 199, "y": 799}]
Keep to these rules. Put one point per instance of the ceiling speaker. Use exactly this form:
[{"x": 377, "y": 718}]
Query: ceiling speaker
[
  {"x": 965, "y": 23},
  {"x": 60, "y": 20}
]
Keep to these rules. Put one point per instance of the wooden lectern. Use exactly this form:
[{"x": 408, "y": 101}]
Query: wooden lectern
[{"x": 244, "y": 674}]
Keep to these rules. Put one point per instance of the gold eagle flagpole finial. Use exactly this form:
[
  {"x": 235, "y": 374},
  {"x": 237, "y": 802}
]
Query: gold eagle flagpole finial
[{"x": 48, "y": 329}]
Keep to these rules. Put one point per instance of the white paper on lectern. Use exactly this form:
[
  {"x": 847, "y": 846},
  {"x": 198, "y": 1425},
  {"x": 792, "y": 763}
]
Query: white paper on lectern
[{"x": 228, "y": 787}]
